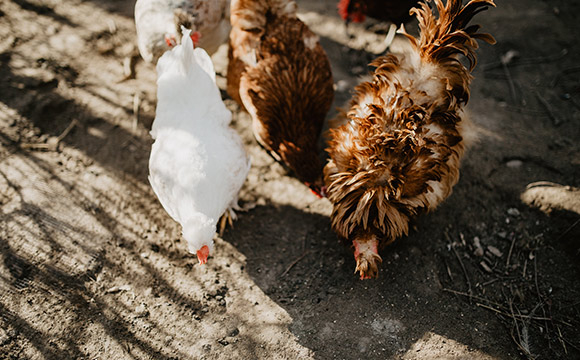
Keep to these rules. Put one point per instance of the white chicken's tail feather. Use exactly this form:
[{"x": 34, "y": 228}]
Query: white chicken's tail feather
[
  {"x": 187, "y": 49},
  {"x": 199, "y": 55},
  {"x": 187, "y": 93},
  {"x": 187, "y": 57}
]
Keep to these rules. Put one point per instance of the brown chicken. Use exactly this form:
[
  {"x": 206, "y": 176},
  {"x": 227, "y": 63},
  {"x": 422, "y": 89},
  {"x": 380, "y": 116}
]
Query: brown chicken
[
  {"x": 398, "y": 152},
  {"x": 281, "y": 75},
  {"x": 395, "y": 11}
]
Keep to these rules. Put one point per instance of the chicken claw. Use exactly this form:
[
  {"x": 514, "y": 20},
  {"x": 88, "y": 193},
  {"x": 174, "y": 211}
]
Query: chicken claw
[
  {"x": 367, "y": 258},
  {"x": 227, "y": 218}
]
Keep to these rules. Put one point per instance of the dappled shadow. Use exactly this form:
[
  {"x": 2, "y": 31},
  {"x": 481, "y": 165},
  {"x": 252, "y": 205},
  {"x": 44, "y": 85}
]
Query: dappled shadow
[
  {"x": 44, "y": 10},
  {"x": 77, "y": 260},
  {"x": 122, "y": 7},
  {"x": 86, "y": 248},
  {"x": 297, "y": 260}
]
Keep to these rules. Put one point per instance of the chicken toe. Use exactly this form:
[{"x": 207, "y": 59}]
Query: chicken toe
[{"x": 367, "y": 258}]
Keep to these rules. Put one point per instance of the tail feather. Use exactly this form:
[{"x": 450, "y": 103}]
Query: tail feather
[
  {"x": 448, "y": 35},
  {"x": 186, "y": 50}
]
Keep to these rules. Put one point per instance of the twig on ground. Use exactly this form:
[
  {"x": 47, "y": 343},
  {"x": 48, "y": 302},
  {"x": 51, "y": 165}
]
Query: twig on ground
[
  {"x": 471, "y": 296},
  {"x": 530, "y": 61},
  {"x": 568, "y": 230},
  {"x": 448, "y": 270},
  {"x": 490, "y": 282},
  {"x": 565, "y": 72},
  {"x": 555, "y": 120},
  {"x": 294, "y": 263},
  {"x": 536, "y": 278},
  {"x": 52, "y": 142},
  {"x": 518, "y": 316},
  {"x": 567, "y": 306},
  {"x": 500, "y": 309},
  {"x": 560, "y": 337},
  {"x": 568, "y": 341},
  {"x": 507, "y": 263},
  {"x": 522, "y": 110},
  {"x": 523, "y": 341},
  {"x": 136, "y": 107},
  {"x": 463, "y": 267},
  {"x": 505, "y": 60},
  {"x": 539, "y": 294}
]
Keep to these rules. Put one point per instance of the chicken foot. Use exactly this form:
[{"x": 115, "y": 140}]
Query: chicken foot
[
  {"x": 367, "y": 257},
  {"x": 230, "y": 215}
]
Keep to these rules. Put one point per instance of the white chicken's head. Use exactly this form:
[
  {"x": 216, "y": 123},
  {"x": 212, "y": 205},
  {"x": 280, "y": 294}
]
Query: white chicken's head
[{"x": 199, "y": 230}]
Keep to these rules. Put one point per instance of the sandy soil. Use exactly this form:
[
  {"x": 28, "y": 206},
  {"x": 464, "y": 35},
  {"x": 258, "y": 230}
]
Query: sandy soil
[{"x": 91, "y": 267}]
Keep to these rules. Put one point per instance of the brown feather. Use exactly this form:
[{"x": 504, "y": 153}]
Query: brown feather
[
  {"x": 398, "y": 152},
  {"x": 279, "y": 72}
]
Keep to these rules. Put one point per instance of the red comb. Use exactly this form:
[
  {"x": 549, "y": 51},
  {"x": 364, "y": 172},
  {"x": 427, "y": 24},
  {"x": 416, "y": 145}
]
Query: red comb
[
  {"x": 343, "y": 9},
  {"x": 357, "y": 11}
]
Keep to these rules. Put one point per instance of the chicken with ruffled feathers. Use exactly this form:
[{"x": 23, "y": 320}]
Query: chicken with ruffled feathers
[{"x": 398, "y": 153}]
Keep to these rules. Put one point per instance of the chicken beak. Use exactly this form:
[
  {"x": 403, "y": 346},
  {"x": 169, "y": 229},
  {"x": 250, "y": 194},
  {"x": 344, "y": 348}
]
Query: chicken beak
[{"x": 202, "y": 254}]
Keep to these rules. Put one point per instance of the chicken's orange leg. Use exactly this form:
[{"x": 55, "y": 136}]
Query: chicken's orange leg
[{"x": 367, "y": 257}]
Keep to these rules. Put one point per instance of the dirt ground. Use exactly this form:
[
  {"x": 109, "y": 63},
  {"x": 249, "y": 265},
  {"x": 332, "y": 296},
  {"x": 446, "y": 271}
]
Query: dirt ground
[{"x": 93, "y": 268}]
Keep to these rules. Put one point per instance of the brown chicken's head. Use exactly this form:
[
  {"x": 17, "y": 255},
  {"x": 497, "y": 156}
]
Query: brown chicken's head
[
  {"x": 318, "y": 188},
  {"x": 352, "y": 10},
  {"x": 303, "y": 161}
]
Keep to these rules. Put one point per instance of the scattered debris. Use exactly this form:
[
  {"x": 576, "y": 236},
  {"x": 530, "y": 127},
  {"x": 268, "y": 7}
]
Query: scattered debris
[
  {"x": 555, "y": 119},
  {"x": 294, "y": 263},
  {"x": 53, "y": 142},
  {"x": 485, "y": 267},
  {"x": 505, "y": 60},
  {"x": 513, "y": 212},
  {"x": 478, "y": 249},
  {"x": 116, "y": 289},
  {"x": 514, "y": 164},
  {"x": 141, "y": 311},
  {"x": 495, "y": 251}
]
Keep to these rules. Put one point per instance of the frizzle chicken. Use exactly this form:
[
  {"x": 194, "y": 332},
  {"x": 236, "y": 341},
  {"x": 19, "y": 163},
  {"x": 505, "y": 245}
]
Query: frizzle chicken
[
  {"x": 398, "y": 153},
  {"x": 198, "y": 163},
  {"x": 159, "y": 22},
  {"x": 281, "y": 75}
]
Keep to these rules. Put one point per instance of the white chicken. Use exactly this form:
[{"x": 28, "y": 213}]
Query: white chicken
[
  {"x": 158, "y": 24},
  {"x": 198, "y": 163}
]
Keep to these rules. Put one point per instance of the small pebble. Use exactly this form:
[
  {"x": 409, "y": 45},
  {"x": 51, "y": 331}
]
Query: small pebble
[
  {"x": 478, "y": 249},
  {"x": 141, "y": 311},
  {"x": 495, "y": 251},
  {"x": 116, "y": 289},
  {"x": 485, "y": 267},
  {"x": 513, "y": 212},
  {"x": 514, "y": 164}
]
